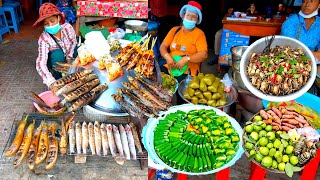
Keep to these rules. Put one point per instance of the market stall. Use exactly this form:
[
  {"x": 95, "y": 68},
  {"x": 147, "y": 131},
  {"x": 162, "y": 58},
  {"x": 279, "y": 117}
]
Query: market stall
[{"x": 88, "y": 11}]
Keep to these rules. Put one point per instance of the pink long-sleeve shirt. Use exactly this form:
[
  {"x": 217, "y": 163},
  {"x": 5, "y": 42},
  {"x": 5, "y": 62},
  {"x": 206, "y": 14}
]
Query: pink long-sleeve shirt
[{"x": 68, "y": 42}]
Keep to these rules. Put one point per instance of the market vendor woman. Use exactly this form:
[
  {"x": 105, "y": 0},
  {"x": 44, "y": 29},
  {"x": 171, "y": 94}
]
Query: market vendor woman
[
  {"x": 185, "y": 47},
  {"x": 57, "y": 43},
  {"x": 305, "y": 26}
]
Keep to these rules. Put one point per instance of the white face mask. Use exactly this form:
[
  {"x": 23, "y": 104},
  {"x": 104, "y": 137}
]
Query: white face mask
[{"x": 310, "y": 15}]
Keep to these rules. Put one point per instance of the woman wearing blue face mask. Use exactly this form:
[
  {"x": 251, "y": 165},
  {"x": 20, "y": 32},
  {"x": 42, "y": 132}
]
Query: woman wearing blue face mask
[
  {"x": 305, "y": 26},
  {"x": 185, "y": 47},
  {"x": 57, "y": 43}
]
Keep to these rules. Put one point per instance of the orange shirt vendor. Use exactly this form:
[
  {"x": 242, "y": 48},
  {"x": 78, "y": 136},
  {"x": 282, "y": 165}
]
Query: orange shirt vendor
[{"x": 187, "y": 41}]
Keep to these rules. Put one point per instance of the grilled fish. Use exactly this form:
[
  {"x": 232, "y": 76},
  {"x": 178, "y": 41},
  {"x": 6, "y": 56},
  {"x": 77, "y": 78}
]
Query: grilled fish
[
  {"x": 126, "y": 106},
  {"x": 112, "y": 144},
  {"x": 80, "y": 91},
  {"x": 141, "y": 97},
  {"x": 124, "y": 141},
  {"x": 85, "y": 137},
  {"x": 91, "y": 138},
  {"x": 72, "y": 138},
  {"x": 104, "y": 137},
  {"x": 117, "y": 138},
  {"x": 71, "y": 77},
  {"x": 155, "y": 98},
  {"x": 163, "y": 92},
  {"x": 78, "y": 137},
  {"x": 87, "y": 98},
  {"x": 97, "y": 137},
  {"x": 136, "y": 138},
  {"x": 75, "y": 84},
  {"x": 135, "y": 103},
  {"x": 131, "y": 142}
]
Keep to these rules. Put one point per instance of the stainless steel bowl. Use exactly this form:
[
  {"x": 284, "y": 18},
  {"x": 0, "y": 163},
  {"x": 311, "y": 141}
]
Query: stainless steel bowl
[
  {"x": 136, "y": 25},
  {"x": 249, "y": 101},
  {"x": 236, "y": 77},
  {"x": 237, "y": 52},
  {"x": 317, "y": 82},
  {"x": 231, "y": 96},
  {"x": 258, "y": 47}
]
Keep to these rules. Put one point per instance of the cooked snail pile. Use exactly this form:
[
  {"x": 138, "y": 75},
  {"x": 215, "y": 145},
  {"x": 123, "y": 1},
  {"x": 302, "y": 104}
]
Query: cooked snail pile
[{"x": 282, "y": 71}]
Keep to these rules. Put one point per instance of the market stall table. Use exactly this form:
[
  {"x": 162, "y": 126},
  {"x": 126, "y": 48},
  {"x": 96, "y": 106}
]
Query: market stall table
[
  {"x": 88, "y": 11},
  {"x": 236, "y": 31},
  {"x": 254, "y": 27}
]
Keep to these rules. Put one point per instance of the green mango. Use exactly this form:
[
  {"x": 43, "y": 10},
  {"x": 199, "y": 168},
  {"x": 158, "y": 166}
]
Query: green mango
[
  {"x": 203, "y": 86},
  {"x": 203, "y": 101},
  {"x": 194, "y": 100},
  {"x": 207, "y": 95},
  {"x": 190, "y": 91}
]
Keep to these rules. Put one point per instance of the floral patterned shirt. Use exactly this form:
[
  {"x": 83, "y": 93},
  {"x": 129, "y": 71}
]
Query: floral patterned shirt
[{"x": 68, "y": 42}]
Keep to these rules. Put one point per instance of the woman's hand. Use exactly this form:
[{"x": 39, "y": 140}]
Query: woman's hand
[{"x": 181, "y": 63}]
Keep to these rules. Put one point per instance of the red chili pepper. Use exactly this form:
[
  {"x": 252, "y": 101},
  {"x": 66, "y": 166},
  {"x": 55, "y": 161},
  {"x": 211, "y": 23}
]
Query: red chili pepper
[{"x": 309, "y": 62}]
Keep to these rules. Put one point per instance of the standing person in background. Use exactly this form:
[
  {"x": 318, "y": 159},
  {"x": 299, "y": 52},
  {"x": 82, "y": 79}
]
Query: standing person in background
[
  {"x": 305, "y": 26},
  {"x": 57, "y": 43},
  {"x": 186, "y": 44}
]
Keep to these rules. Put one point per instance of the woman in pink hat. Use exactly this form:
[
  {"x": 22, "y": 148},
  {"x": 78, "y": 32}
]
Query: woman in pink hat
[{"x": 57, "y": 43}]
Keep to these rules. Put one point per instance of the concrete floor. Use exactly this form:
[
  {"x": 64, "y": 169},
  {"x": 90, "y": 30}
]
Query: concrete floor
[{"x": 18, "y": 77}]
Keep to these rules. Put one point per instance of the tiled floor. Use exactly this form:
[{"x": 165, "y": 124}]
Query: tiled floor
[{"x": 18, "y": 77}]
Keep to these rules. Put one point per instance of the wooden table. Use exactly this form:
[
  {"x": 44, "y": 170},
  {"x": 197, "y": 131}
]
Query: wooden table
[{"x": 254, "y": 27}]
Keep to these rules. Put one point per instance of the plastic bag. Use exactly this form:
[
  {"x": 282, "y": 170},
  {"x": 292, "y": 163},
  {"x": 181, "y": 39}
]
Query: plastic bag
[
  {"x": 310, "y": 133},
  {"x": 117, "y": 34},
  {"x": 227, "y": 82},
  {"x": 84, "y": 55}
]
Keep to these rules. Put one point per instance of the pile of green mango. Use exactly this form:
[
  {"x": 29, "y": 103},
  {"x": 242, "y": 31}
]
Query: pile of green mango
[
  {"x": 168, "y": 82},
  {"x": 196, "y": 141},
  {"x": 206, "y": 89}
]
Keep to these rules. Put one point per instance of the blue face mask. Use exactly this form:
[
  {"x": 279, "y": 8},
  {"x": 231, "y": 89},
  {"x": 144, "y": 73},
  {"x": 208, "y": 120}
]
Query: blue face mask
[
  {"x": 53, "y": 29},
  {"x": 188, "y": 24}
]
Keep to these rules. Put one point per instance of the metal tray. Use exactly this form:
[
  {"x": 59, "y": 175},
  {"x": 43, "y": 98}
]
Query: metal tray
[
  {"x": 105, "y": 103},
  {"x": 231, "y": 96}
]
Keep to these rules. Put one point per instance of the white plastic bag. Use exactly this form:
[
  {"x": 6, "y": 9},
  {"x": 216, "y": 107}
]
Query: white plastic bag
[
  {"x": 227, "y": 82},
  {"x": 117, "y": 34}
]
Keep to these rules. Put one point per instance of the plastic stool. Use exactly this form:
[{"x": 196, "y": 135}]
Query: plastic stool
[
  {"x": 14, "y": 22},
  {"x": 18, "y": 7},
  {"x": 4, "y": 28}
]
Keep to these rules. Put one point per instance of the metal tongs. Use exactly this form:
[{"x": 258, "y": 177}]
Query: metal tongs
[{"x": 268, "y": 41}]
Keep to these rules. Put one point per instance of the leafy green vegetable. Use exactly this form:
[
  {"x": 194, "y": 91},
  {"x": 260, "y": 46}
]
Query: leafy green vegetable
[
  {"x": 289, "y": 169},
  {"x": 304, "y": 58},
  {"x": 279, "y": 70},
  {"x": 285, "y": 136},
  {"x": 263, "y": 59},
  {"x": 296, "y": 75},
  {"x": 293, "y": 61}
]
